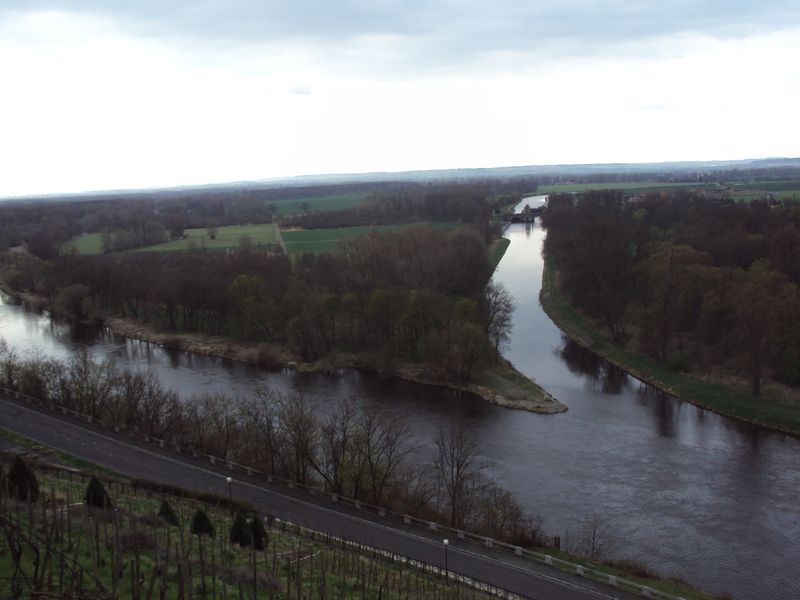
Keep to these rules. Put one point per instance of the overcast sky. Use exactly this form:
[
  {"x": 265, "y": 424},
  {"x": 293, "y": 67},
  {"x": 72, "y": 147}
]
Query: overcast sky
[{"x": 102, "y": 94}]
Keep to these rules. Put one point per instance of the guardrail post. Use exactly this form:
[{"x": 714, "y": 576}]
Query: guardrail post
[
  {"x": 161, "y": 443},
  {"x": 612, "y": 581},
  {"x": 146, "y": 438},
  {"x": 460, "y": 535},
  {"x": 548, "y": 560},
  {"x": 356, "y": 504},
  {"x": 249, "y": 472},
  {"x": 381, "y": 512},
  {"x": 211, "y": 460},
  {"x": 579, "y": 570},
  {"x": 230, "y": 466},
  {"x": 518, "y": 551},
  {"x": 290, "y": 484},
  {"x": 406, "y": 519},
  {"x": 432, "y": 525},
  {"x": 269, "y": 478},
  {"x": 488, "y": 542},
  {"x": 334, "y": 498},
  {"x": 646, "y": 592}
]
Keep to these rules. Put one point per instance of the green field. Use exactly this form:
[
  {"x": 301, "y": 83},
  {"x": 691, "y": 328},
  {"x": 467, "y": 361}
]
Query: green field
[
  {"x": 771, "y": 186},
  {"x": 296, "y": 206},
  {"x": 88, "y": 243},
  {"x": 227, "y": 237},
  {"x": 324, "y": 240},
  {"x": 632, "y": 186},
  {"x": 743, "y": 192},
  {"x": 783, "y": 190}
]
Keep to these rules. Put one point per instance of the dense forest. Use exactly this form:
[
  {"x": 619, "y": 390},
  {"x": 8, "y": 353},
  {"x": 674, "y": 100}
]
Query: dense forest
[
  {"x": 698, "y": 284},
  {"x": 417, "y": 295}
]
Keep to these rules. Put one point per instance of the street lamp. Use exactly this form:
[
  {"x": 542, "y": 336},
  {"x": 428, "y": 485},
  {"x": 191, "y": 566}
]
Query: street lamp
[
  {"x": 230, "y": 493},
  {"x": 446, "y": 570}
]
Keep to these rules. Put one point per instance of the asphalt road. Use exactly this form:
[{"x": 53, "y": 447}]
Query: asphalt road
[{"x": 132, "y": 459}]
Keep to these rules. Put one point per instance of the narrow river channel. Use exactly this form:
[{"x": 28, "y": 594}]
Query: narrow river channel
[{"x": 682, "y": 490}]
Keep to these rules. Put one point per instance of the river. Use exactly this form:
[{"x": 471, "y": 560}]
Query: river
[{"x": 687, "y": 492}]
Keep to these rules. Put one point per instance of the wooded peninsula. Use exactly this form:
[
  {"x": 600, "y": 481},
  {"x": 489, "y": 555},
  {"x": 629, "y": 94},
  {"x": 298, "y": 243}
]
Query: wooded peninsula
[{"x": 412, "y": 297}]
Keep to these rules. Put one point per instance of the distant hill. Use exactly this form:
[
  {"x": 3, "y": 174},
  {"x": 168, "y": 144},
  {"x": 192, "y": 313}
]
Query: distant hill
[{"x": 443, "y": 175}]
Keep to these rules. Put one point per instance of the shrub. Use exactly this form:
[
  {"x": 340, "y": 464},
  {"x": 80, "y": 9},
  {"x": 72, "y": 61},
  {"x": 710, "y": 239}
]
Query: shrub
[
  {"x": 136, "y": 538},
  {"x": 96, "y": 495},
  {"x": 268, "y": 357},
  {"x": 202, "y": 525},
  {"x": 259, "y": 533},
  {"x": 173, "y": 343},
  {"x": 167, "y": 513},
  {"x": 241, "y": 533},
  {"x": 22, "y": 482}
]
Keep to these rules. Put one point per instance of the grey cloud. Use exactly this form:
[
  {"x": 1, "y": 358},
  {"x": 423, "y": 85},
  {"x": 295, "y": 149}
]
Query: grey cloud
[{"x": 438, "y": 32}]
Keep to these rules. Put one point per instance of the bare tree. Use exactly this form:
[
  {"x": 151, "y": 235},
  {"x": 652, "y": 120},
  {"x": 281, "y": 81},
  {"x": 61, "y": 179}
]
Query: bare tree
[
  {"x": 384, "y": 447},
  {"x": 338, "y": 461},
  {"x": 499, "y": 306},
  {"x": 459, "y": 467},
  {"x": 592, "y": 540},
  {"x": 300, "y": 428}
]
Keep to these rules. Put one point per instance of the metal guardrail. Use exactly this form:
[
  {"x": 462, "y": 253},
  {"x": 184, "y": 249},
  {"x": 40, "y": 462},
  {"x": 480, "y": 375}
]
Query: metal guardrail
[
  {"x": 447, "y": 574},
  {"x": 487, "y": 542}
]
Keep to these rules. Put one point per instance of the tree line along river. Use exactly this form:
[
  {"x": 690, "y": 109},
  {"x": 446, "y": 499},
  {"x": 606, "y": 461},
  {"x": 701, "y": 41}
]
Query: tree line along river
[{"x": 689, "y": 493}]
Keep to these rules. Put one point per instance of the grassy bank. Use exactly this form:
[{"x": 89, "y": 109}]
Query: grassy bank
[
  {"x": 497, "y": 383},
  {"x": 770, "y": 410},
  {"x": 497, "y": 251}
]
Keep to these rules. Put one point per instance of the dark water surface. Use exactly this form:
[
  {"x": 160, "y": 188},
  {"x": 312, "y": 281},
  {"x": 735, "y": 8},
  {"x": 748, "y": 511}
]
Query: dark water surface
[{"x": 687, "y": 492}]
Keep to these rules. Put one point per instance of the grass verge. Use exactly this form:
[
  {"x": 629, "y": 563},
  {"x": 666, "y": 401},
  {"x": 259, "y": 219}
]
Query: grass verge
[
  {"x": 60, "y": 457},
  {"x": 496, "y": 252},
  {"x": 770, "y": 410}
]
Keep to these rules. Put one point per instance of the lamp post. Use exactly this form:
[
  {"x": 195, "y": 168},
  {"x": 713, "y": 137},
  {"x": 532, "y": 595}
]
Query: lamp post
[
  {"x": 446, "y": 570},
  {"x": 230, "y": 494}
]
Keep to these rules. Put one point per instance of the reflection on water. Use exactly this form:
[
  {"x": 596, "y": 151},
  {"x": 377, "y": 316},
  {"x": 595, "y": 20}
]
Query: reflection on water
[
  {"x": 609, "y": 377},
  {"x": 685, "y": 491}
]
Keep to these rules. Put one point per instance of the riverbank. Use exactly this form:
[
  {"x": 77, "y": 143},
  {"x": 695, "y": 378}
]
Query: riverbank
[
  {"x": 497, "y": 250},
  {"x": 499, "y": 384},
  {"x": 771, "y": 410}
]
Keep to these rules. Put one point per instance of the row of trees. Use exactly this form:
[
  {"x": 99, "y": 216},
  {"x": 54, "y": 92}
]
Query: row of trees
[
  {"x": 454, "y": 203},
  {"x": 363, "y": 454},
  {"x": 693, "y": 282}
]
